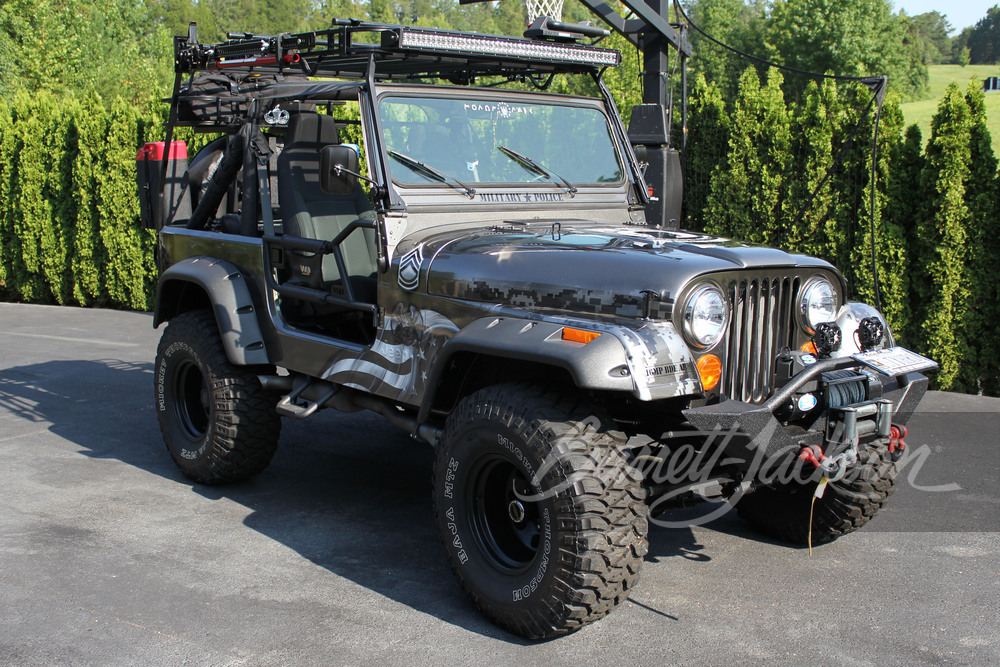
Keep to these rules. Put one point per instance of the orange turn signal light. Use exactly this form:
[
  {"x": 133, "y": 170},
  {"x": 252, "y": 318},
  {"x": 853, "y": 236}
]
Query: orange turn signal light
[
  {"x": 578, "y": 335},
  {"x": 809, "y": 347},
  {"x": 710, "y": 371}
]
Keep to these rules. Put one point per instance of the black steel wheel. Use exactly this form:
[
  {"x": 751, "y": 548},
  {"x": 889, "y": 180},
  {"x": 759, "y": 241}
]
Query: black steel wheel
[
  {"x": 543, "y": 519},
  {"x": 191, "y": 399},
  {"x": 505, "y": 524},
  {"x": 217, "y": 421}
]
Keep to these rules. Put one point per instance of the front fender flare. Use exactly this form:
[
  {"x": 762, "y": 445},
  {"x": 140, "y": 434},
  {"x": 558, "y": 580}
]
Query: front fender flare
[
  {"x": 645, "y": 361},
  {"x": 232, "y": 304}
]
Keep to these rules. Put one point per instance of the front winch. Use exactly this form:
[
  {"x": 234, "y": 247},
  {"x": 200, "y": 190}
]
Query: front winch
[
  {"x": 845, "y": 428},
  {"x": 833, "y": 467}
]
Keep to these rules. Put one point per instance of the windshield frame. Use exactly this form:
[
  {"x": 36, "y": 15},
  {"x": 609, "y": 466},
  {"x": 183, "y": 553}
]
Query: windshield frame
[{"x": 513, "y": 97}]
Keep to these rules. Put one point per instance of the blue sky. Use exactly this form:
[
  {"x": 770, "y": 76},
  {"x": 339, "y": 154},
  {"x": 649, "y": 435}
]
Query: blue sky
[{"x": 960, "y": 13}]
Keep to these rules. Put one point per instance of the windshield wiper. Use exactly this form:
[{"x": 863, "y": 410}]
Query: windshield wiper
[
  {"x": 431, "y": 172},
  {"x": 536, "y": 168}
]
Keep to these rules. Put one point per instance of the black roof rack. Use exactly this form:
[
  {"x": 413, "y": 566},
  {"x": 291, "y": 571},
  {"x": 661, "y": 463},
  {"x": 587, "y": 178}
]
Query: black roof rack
[{"x": 398, "y": 53}]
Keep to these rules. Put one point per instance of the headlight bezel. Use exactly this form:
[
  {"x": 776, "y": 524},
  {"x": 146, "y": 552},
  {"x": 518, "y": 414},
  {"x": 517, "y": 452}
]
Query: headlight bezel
[
  {"x": 699, "y": 291},
  {"x": 805, "y": 295}
]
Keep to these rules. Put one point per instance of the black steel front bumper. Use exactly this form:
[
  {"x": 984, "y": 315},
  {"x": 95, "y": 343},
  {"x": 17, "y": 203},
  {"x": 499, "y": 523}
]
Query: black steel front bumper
[{"x": 755, "y": 427}]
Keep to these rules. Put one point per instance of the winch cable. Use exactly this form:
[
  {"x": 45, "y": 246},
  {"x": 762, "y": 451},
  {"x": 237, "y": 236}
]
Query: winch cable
[
  {"x": 877, "y": 84},
  {"x": 844, "y": 393}
]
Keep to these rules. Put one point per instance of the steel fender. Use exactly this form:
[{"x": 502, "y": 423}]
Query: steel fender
[
  {"x": 232, "y": 304},
  {"x": 599, "y": 364},
  {"x": 650, "y": 361},
  {"x": 661, "y": 364}
]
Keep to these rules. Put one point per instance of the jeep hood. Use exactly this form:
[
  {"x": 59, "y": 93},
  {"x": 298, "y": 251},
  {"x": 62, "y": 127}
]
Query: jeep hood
[{"x": 583, "y": 268}]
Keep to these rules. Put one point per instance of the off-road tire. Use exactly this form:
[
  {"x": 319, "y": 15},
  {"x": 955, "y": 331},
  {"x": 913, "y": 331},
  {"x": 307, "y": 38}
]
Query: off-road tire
[
  {"x": 782, "y": 511},
  {"x": 218, "y": 423},
  {"x": 576, "y": 552}
]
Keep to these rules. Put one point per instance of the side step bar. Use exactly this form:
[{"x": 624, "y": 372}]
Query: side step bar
[
  {"x": 293, "y": 405},
  {"x": 304, "y": 395}
]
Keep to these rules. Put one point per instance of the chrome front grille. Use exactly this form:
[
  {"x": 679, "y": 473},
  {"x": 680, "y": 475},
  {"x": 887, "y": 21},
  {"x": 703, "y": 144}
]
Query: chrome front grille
[{"x": 762, "y": 323}]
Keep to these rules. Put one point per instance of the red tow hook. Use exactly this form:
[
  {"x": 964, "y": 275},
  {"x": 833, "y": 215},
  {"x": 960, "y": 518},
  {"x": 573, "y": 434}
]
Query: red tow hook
[
  {"x": 813, "y": 454},
  {"x": 896, "y": 442}
]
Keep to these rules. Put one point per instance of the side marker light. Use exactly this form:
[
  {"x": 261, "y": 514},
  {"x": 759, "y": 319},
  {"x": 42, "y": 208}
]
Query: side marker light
[
  {"x": 710, "y": 371},
  {"x": 578, "y": 335}
]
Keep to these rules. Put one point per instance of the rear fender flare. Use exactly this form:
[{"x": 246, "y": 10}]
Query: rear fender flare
[{"x": 232, "y": 305}]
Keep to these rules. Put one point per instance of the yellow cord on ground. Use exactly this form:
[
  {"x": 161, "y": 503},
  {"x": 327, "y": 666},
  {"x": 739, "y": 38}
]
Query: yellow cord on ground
[
  {"x": 812, "y": 503},
  {"x": 820, "y": 488}
]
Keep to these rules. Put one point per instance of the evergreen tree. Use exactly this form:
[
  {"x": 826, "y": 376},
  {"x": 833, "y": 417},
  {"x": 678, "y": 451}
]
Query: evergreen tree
[
  {"x": 906, "y": 202},
  {"x": 127, "y": 246},
  {"x": 933, "y": 31},
  {"x": 889, "y": 239},
  {"x": 852, "y": 141},
  {"x": 817, "y": 121},
  {"x": 707, "y": 144},
  {"x": 747, "y": 199},
  {"x": 89, "y": 258},
  {"x": 6, "y": 203},
  {"x": 941, "y": 290},
  {"x": 33, "y": 234},
  {"x": 984, "y": 38},
  {"x": 981, "y": 368},
  {"x": 57, "y": 239}
]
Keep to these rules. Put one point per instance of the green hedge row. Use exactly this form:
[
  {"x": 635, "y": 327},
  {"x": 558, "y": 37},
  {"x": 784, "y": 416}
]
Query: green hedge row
[
  {"x": 757, "y": 159},
  {"x": 69, "y": 231},
  {"x": 68, "y": 208}
]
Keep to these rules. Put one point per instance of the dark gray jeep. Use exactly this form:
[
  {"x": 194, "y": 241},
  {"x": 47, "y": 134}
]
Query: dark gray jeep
[{"x": 474, "y": 263}]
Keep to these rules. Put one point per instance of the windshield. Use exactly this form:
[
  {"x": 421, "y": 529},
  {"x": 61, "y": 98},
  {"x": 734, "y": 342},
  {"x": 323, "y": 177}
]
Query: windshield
[{"x": 488, "y": 141}]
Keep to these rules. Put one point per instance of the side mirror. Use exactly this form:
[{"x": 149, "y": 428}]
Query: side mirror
[
  {"x": 641, "y": 153},
  {"x": 338, "y": 168}
]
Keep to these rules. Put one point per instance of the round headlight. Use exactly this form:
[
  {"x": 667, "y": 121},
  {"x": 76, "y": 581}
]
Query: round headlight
[
  {"x": 817, "y": 303},
  {"x": 706, "y": 315}
]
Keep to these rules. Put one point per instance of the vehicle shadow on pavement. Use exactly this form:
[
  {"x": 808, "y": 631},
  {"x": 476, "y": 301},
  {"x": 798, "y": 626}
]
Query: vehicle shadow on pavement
[
  {"x": 715, "y": 516},
  {"x": 104, "y": 406},
  {"x": 348, "y": 492}
]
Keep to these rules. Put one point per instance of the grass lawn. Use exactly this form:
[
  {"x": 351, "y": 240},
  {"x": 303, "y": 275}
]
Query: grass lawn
[{"x": 920, "y": 112}]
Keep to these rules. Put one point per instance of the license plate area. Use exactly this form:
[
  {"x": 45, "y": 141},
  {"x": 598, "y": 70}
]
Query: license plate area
[{"x": 895, "y": 361}]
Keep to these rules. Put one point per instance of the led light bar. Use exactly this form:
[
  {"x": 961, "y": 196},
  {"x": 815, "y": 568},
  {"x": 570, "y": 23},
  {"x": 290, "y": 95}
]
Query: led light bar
[{"x": 515, "y": 48}]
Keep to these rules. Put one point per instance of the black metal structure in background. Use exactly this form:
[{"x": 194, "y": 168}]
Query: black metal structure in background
[
  {"x": 650, "y": 125},
  {"x": 651, "y": 122}
]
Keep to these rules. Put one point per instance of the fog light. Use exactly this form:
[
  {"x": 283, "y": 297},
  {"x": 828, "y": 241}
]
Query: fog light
[
  {"x": 807, "y": 402},
  {"x": 710, "y": 371},
  {"x": 870, "y": 333},
  {"x": 827, "y": 338}
]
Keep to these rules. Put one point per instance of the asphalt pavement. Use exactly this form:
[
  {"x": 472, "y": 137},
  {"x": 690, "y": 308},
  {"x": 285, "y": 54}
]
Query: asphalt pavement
[{"x": 109, "y": 556}]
